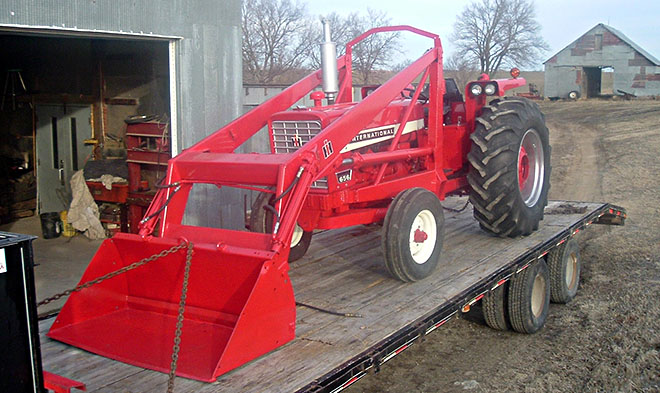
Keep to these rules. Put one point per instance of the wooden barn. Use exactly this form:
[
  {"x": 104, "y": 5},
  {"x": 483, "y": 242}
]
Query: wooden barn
[{"x": 603, "y": 61}]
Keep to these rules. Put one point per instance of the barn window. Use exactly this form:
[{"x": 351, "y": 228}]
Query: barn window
[{"x": 598, "y": 44}]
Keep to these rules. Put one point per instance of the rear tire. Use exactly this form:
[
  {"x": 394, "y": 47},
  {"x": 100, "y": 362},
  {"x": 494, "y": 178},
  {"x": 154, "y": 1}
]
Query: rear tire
[
  {"x": 261, "y": 220},
  {"x": 509, "y": 172},
  {"x": 494, "y": 309},
  {"x": 529, "y": 298},
  {"x": 564, "y": 265},
  {"x": 413, "y": 234}
]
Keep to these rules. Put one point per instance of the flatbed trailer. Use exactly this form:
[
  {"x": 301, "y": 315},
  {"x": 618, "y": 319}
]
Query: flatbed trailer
[{"x": 343, "y": 271}]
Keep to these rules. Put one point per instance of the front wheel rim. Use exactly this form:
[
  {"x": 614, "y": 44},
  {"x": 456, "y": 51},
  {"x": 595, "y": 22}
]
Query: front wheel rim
[
  {"x": 297, "y": 235},
  {"x": 423, "y": 235},
  {"x": 531, "y": 167}
]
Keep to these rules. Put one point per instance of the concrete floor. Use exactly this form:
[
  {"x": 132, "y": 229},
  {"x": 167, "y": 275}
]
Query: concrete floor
[{"x": 60, "y": 262}]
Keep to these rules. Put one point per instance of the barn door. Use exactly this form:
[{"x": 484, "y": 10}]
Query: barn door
[
  {"x": 593, "y": 75},
  {"x": 61, "y": 132}
]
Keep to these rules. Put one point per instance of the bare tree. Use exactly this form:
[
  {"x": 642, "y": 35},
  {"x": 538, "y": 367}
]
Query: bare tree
[
  {"x": 461, "y": 69},
  {"x": 400, "y": 66},
  {"x": 274, "y": 40},
  {"x": 497, "y": 33},
  {"x": 378, "y": 51},
  {"x": 279, "y": 37},
  {"x": 343, "y": 30}
]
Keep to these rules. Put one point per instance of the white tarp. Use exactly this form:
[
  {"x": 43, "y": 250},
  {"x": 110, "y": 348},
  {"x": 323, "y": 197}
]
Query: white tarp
[{"x": 83, "y": 214}]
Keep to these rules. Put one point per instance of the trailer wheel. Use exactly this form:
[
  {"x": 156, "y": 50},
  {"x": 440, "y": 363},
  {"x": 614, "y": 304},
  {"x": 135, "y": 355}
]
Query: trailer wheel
[
  {"x": 564, "y": 265},
  {"x": 573, "y": 95},
  {"x": 261, "y": 220},
  {"x": 529, "y": 298},
  {"x": 494, "y": 308},
  {"x": 413, "y": 234},
  {"x": 509, "y": 172}
]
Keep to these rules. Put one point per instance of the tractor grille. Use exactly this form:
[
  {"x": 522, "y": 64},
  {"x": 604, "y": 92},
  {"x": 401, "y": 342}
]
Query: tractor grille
[{"x": 289, "y": 136}]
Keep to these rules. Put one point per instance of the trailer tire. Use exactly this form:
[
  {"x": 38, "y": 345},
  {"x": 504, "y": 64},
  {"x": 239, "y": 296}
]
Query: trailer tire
[
  {"x": 494, "y": 308},
  {"x": 529, "y": 298},
  {"x": 574, "y": 95},
  {"x": 414, "y": 214},
  {"x": 564, "y": 265},
  {"x": 261, "y": 220},
  {"x": 509, "y": 173}
]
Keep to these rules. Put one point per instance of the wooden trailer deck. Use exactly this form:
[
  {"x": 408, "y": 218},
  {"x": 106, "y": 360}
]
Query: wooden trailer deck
[{"x": 343, "y": 271}]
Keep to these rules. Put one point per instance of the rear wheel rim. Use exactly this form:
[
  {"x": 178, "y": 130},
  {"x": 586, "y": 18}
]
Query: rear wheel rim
[
  {"x": 571, "y": 271},
  {"x": 531, "y": 167},
  {"x": 538, "y": 295},
  {"x": 424, "y": 223}
]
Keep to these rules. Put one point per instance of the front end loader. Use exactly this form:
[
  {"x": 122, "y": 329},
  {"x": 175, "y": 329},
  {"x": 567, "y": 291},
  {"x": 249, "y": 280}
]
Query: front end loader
[{"x": 389, "y": 158}]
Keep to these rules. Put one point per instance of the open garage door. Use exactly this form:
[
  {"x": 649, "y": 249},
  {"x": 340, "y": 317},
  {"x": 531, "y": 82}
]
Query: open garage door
[{"x": 65, "y": 100}]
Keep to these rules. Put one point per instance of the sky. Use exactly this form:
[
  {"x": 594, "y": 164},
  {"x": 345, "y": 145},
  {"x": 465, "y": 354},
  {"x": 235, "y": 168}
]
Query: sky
[{"x": 562, "y": 21}]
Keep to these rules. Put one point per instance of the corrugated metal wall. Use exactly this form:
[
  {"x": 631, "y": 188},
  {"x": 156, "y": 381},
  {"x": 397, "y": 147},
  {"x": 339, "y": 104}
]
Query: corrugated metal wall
[{"x": 209, "y": 77}]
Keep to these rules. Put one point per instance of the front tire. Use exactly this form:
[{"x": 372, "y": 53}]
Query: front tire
[
  {"x": 261, "y": 220},
  {"x": 413, "y": 234},
  {"x": 509, "y": 167}
]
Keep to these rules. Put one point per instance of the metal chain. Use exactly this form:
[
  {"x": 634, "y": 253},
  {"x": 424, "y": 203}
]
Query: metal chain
[
  {"x": 115, "y": 273},
  {"x": 179, "y": 320}
]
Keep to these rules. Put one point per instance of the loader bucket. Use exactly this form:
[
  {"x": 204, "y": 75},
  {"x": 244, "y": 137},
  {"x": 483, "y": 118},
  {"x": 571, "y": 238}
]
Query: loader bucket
[{"x": 239, "y": 306}]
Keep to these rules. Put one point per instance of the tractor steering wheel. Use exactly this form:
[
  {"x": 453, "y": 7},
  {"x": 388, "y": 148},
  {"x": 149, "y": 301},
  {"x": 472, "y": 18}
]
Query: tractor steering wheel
[{"x": 411, "y": 92}]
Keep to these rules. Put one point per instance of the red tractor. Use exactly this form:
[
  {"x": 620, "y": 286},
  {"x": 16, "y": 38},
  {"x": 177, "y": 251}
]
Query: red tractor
[{"x": 389, "y": 158}]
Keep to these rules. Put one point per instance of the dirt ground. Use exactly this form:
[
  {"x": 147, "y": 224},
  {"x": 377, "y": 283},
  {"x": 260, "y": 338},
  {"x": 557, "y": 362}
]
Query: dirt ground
[{"x": 608, "y": 338}]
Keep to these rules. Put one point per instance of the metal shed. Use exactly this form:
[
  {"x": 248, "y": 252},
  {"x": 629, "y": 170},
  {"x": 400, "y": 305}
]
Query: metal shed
[
  {"x": 179, "y": 59},
  {"x": 603, "y": 61}
]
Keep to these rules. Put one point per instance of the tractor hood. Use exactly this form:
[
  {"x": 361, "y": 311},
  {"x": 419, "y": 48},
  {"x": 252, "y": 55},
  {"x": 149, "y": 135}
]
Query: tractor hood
[{"x": 327, "y": 114}]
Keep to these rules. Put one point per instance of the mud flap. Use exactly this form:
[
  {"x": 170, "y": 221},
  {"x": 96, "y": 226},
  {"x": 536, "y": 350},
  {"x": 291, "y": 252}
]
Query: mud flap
[{"x": 238, "y": 307}]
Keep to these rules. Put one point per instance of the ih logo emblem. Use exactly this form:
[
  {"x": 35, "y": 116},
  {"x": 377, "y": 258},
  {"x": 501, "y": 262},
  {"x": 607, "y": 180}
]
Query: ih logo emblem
[
  {"x": 296, "y": 140},
  {"x": 327, "y": 148}
]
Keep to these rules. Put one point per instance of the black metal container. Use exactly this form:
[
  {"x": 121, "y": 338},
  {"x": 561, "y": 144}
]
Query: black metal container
[{"x": 20, "y": 353}]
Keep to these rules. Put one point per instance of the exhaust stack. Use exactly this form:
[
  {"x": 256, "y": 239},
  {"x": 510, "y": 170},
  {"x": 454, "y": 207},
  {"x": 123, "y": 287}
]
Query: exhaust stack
[{"x": 329, "y": 64}]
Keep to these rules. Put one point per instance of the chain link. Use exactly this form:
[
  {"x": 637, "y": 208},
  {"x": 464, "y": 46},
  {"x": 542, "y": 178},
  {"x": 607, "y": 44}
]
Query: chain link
[
  {"x": 179, "y": 321},
  {"x": 182, "y": 300},
  {"x": 117, "y": 272}
]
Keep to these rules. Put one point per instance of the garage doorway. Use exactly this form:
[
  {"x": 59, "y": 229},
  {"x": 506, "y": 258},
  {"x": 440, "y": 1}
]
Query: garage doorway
[
  {"x": 592, "y": 81},
  {"x": 598, "y": 81},
  {"x": 76, "y": 87}
]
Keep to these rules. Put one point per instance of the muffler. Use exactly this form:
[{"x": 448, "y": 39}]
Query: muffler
[{"x": 329, "y": 64}]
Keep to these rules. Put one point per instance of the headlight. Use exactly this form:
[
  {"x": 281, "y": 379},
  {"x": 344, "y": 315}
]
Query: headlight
[
  {"x": 476, "y": 90},
  {"x": 490, "y": 89}
]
